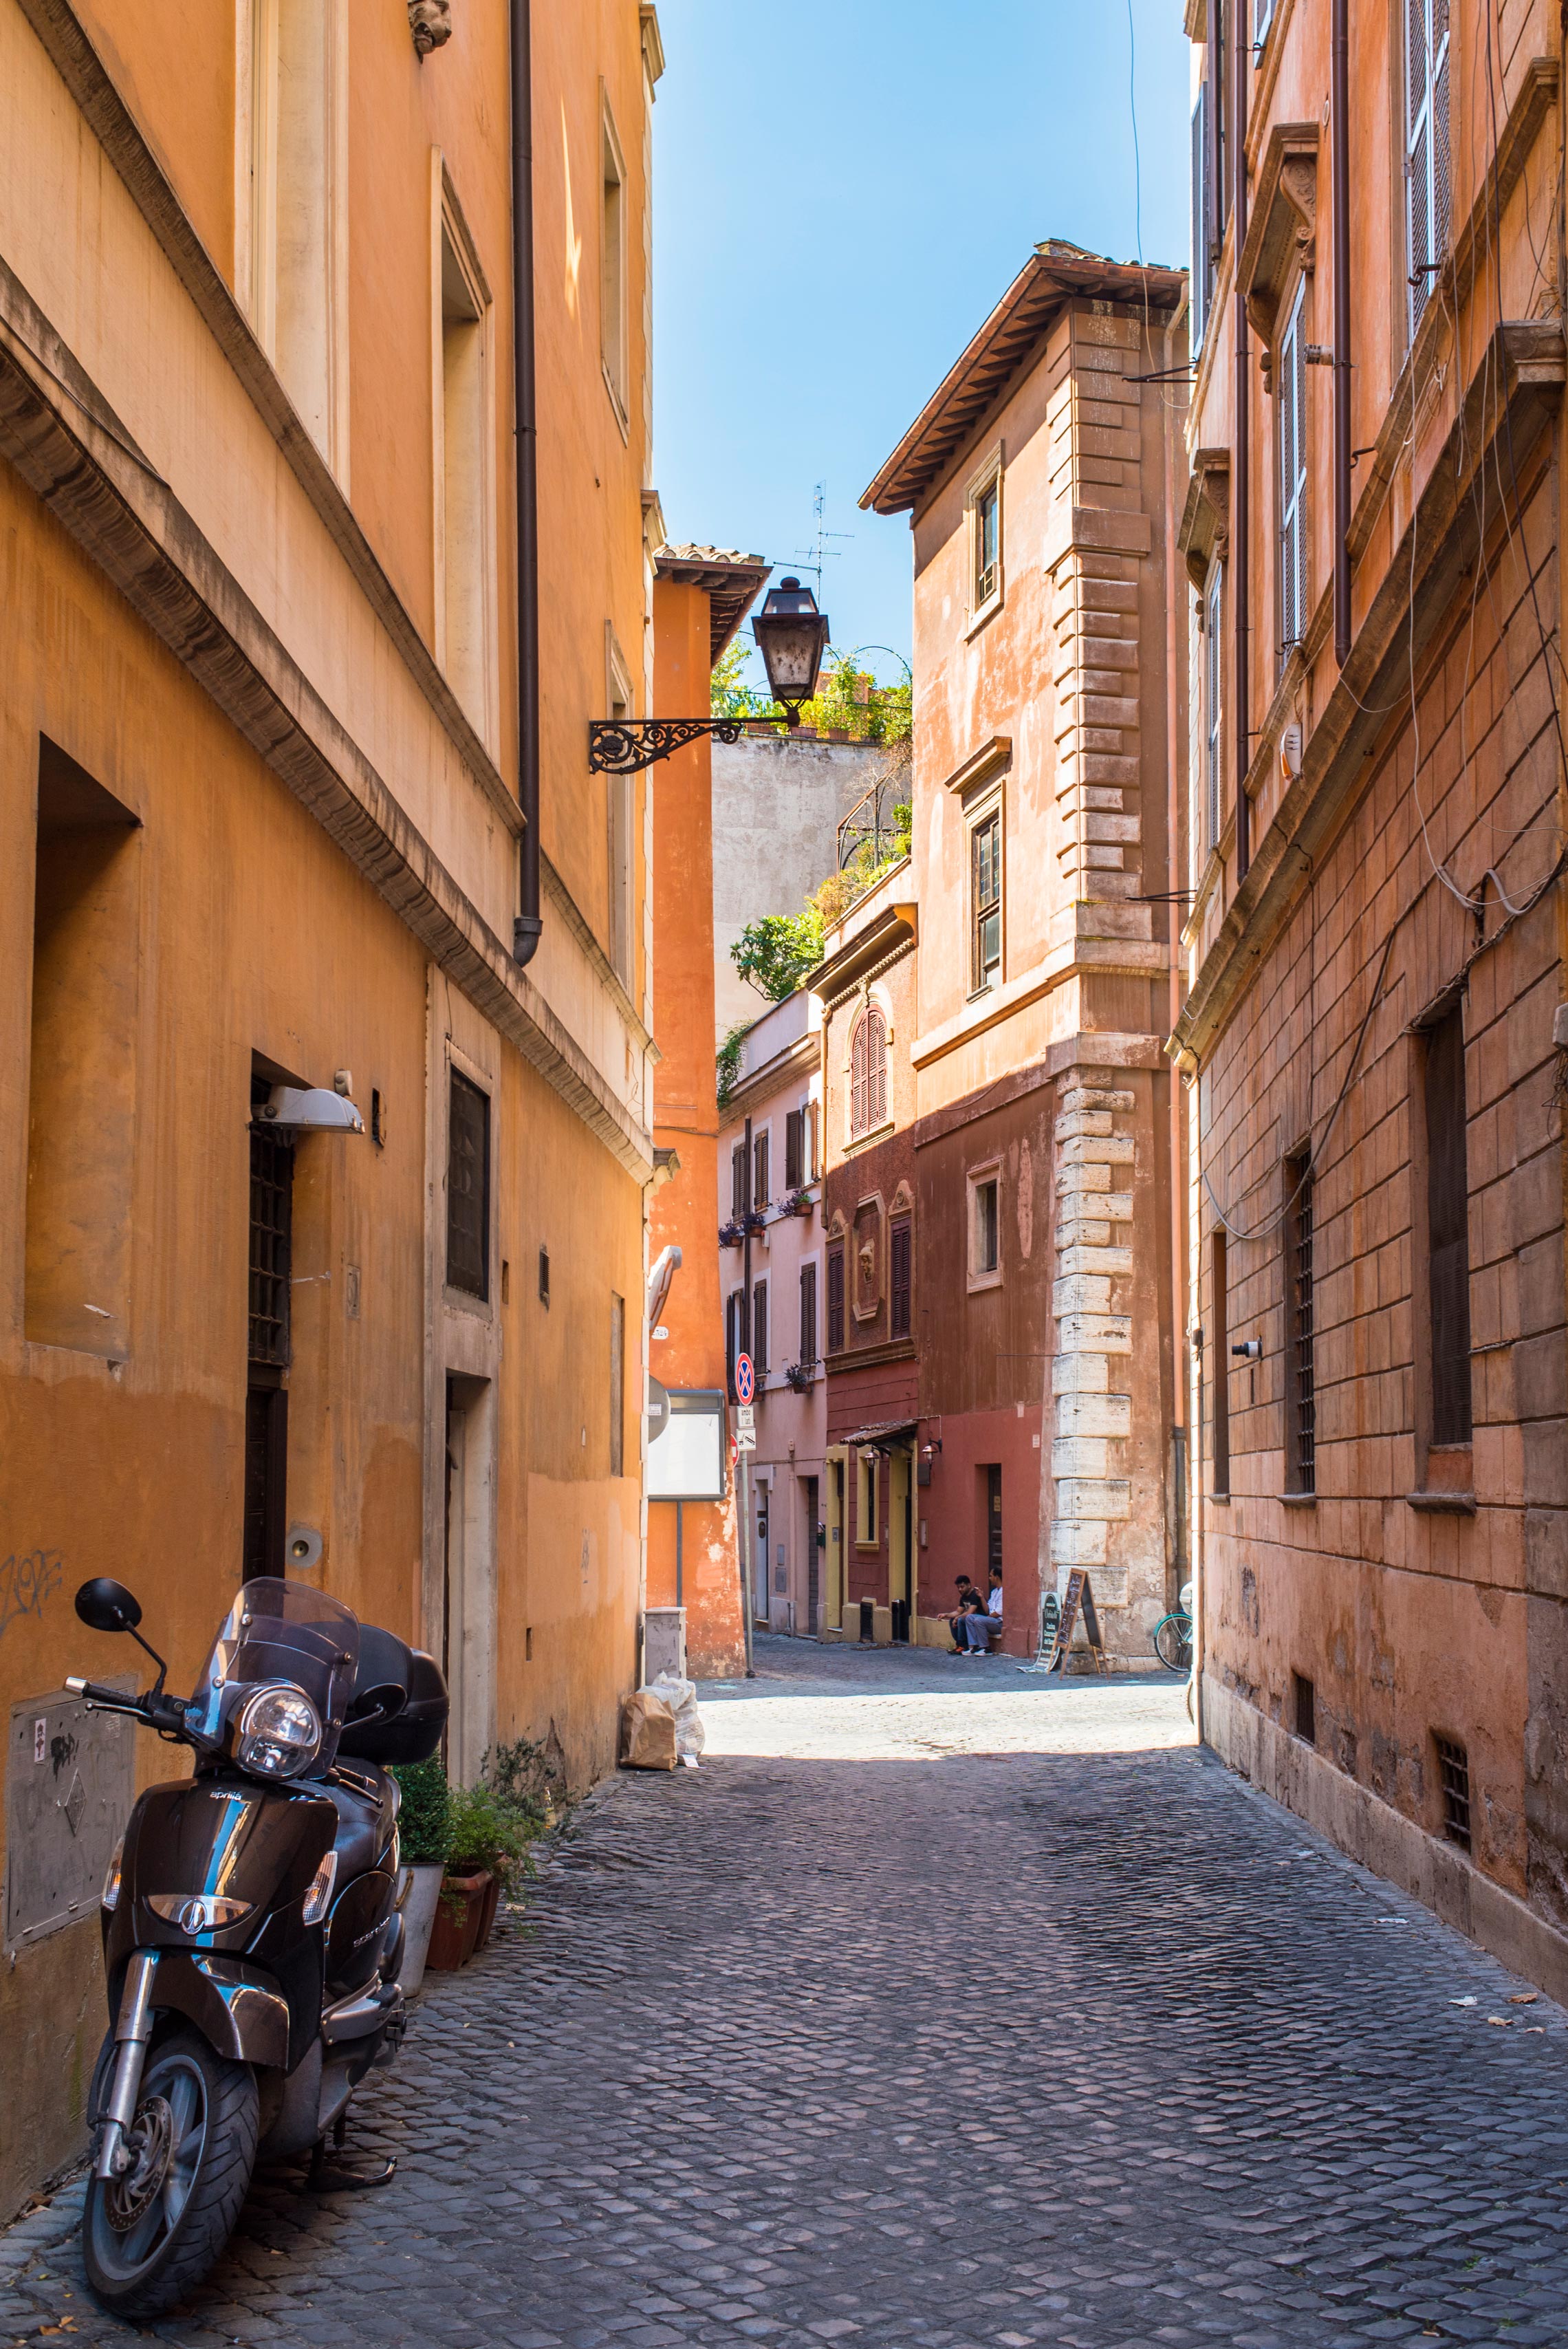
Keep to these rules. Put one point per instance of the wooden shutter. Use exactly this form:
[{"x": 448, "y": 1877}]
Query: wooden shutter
[
  {"x": 808, "y": 1313},
  {"x": 899, "y": 1255},
  {"x": 858, "y": 1079},
  {"x": 1213, "y": 670},
  {"x": 876, "y": 1068},
  {"x": 1300, "y": 1384},
  {"x": 1448, "y": 1228},
  {"x": 738, "y": 1180},
  {"x": 760, "y": 1327},
  {"x": 835, "y": 1301},
  {"x": 761, "y": 1191},
  {"x": 1220, "y": 1364},
  {"x": 1201, "y": 213},
  {"x": 793, "y": 1176},
  {"x": 1291, "y": 406},
  {"x": 1428, "y": 162}
]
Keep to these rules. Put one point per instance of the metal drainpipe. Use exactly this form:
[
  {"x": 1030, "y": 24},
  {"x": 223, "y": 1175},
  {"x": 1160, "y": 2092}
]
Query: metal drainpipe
[
  {"x": 1339, "y": 158},
  {"x": 1239, "y": 580},
  {"x": 526, "y": 923}
]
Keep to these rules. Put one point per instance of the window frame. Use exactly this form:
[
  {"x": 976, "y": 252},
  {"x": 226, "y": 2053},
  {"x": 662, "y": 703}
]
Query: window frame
[
  {"x": 614, "y": 246},
  {"x": 984, "y": 495},
  {"x": 1426, "y": 117},
  {"x": 982, "y": 976},
  {"x": 458, "y": 1077},
  {"x": 1291, "y": 479},
  {"x": 866, "y": 1498},
  {"x": 1299, "y": 1282},
  {"x": 980, "y": 1179},
  {"x": 1443, "y": 1310},
  {"x": 1213, "y": 701}
]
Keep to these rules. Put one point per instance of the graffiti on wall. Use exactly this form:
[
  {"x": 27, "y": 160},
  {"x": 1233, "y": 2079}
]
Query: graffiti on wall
[{"x": 28, "y": 1579}]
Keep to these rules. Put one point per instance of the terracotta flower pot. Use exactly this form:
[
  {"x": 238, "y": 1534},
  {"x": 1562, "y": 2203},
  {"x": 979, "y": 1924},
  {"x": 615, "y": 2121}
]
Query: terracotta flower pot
[
  {"x": 490, "y": 1901},
  {"x": 457, "y": 1924}
]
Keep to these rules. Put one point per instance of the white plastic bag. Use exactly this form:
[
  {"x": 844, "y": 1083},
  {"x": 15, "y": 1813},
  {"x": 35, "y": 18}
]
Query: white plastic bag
[{"x": 681, "y": 1697}]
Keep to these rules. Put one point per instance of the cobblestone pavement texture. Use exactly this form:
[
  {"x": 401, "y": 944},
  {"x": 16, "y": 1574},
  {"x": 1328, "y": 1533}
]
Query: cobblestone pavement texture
[{"x": 933, "y": 2048}]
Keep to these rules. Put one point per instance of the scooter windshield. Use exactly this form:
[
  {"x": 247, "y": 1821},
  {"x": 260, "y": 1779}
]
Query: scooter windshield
[{"x": 280, "y": 1631}]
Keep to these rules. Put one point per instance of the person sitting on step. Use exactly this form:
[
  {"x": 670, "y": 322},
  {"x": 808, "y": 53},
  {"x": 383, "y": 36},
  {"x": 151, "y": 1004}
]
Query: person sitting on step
[
  {"x": 985, "y": 1620},
  {"x": 968, "y": 1599}
]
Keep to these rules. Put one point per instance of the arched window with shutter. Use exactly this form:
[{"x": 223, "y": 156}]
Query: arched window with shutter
[{"x": 868, "y": 1072}]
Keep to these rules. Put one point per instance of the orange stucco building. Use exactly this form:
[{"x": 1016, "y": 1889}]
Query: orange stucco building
[
  {"x": 280, "y": 770},
  {"x": 1372, "y": 1039},
  {"x": 701, "y": 595}
]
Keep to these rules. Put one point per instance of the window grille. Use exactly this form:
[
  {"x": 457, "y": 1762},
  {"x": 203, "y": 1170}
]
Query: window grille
[
  {"x": 1292, "y": 405},
  {"x": 1301, "y": 1393},
  {"x": 271, "y": 1220},
  {"x": 1448, "y": 1228},
  {"x": 468, "y": 1188},
  {"x": 1453, "y": 1780},
  {"x": 1426, "y": 151},
  {"x": 1220, "y": 1363}
]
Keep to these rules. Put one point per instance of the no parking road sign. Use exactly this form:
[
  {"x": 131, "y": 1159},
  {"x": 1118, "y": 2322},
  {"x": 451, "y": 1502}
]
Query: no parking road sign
[{"x": 745, "y": 1379}]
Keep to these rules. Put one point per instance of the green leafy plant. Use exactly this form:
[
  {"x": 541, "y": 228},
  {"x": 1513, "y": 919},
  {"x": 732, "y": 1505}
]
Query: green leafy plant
[
  {"x": 727, "y": 1064},
  {"x": 490, "y": 1832},
  {"x": 774, "y": 954},
  {"x": 425, "y": 1817},
  {"x": 520, "y": 1775}
]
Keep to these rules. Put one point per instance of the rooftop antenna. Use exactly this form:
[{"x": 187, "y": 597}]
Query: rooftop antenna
[{"x": 809, "y": 560}]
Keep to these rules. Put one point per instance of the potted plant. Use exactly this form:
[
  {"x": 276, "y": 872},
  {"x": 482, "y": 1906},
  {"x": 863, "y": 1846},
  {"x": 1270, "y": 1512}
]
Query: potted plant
[
  {"x": 490, "y": 1836},
  {"x": 799, "y": 1203},
  {"x": 732, "y": 1235},
  {"x": 801, "y": 1376},
  {"x": 425, "y": 1835}
]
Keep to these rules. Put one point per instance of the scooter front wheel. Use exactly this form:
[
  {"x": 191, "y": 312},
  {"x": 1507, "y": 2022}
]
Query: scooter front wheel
[{"x": 149, "y": 2235}]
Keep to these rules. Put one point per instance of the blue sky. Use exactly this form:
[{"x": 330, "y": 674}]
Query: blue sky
[{"x": 842, "y": 193}]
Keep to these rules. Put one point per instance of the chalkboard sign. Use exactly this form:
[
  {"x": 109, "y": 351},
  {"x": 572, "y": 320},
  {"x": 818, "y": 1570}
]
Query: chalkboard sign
[{"x": 1078, "y": 1599}]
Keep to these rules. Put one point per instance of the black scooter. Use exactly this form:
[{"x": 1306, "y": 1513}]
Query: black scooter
[{"x": 252, "y": 1937}]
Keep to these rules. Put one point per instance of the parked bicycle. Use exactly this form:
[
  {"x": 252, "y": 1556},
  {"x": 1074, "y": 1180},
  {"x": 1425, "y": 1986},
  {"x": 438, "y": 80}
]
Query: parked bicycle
[{"x": 1173, "y": 1634}]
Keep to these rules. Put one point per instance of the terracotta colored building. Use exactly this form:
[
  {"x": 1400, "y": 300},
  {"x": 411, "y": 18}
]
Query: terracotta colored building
[
  {"x": 701, "y": 595},
  {"x": 295, "y": 792},
  {"x": 866, "y": 981},
  {"x": 1042, "y": 480},
  {"x": 1372, "y": 1041},
  {"x": 770, "y": 1163}
]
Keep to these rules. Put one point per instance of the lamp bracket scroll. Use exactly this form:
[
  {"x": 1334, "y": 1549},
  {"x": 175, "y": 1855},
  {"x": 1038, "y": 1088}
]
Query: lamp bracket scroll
[{"x": 621, "y": 745}]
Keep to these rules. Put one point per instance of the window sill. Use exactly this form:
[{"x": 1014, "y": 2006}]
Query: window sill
[
  {"x": 1452, "y": 1504},
  {"x": 1224, "y": 1498},
  {"x": 986, "y": 611},
  {"x": 874, "y": 1133},
  {"x": 978, "y": 994},
  {"x": 1299, "y": 1500},
  {"x": 979, "y": 1280}
]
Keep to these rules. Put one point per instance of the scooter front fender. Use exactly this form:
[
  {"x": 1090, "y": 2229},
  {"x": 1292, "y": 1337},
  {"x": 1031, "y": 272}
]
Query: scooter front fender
[{"x": 237, "y": 2008}]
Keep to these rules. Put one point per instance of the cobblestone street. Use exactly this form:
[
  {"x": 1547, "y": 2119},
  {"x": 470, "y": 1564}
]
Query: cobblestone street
[{"x": 942, "y": 2006}]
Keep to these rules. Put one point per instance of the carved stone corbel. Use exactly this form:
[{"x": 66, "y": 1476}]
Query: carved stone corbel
[
  {"x": 430, "y": 22},
  {"x": 1281, "y": 233},
  {"x": 1204, "y": 534}
]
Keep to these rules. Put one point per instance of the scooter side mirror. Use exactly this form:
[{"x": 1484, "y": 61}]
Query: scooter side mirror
[{"x": 107, "y": 1606}]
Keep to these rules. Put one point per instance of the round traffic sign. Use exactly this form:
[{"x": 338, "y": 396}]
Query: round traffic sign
[{"x": 745, "y": 1379}]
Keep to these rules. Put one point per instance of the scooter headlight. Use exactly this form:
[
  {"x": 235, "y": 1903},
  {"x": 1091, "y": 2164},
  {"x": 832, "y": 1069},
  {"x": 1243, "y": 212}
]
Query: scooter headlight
[
  {"x": 280, "y": 1732},
  {"x": 198, "y": 1912}
]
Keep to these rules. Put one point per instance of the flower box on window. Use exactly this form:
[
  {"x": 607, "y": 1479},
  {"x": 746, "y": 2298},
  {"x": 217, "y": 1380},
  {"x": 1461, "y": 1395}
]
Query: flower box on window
[
  {"x": 799, "y": 1203},
  {"x": 801, "y": 1376},
  {"x": 730, "y": 1234}
]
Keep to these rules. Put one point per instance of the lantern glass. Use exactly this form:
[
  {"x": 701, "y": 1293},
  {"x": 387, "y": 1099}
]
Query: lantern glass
[{"x": 792, "y": 636}]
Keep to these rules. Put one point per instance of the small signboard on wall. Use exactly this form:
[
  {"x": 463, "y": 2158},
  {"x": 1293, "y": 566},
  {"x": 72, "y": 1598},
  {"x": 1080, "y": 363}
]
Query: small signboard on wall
[{"x": 685, "y": 1459}]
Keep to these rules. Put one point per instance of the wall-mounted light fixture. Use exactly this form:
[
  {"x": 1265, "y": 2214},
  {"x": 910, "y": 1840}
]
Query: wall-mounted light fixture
[
  {"x": 791, "y": 635},
  {"x": 309, "y": 1109}
]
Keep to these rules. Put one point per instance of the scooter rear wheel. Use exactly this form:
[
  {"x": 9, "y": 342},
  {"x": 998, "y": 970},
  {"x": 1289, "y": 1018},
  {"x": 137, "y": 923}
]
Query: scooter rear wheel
[{"x": 149, "y": 2236}]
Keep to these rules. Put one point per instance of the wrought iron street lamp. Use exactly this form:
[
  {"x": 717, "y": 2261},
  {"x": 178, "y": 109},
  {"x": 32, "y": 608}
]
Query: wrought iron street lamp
[{"x": 791, "y": 636}]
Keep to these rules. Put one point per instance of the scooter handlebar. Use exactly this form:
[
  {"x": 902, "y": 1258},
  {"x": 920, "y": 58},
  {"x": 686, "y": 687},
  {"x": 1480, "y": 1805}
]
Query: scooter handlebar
[{"x": 157, "y": 1711}]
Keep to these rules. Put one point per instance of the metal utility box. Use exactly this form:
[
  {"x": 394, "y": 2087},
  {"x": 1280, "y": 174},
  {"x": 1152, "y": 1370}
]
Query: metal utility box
[
  {"x": 664, "y": 1643},
  {"x": 70, "y": 1777}
]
